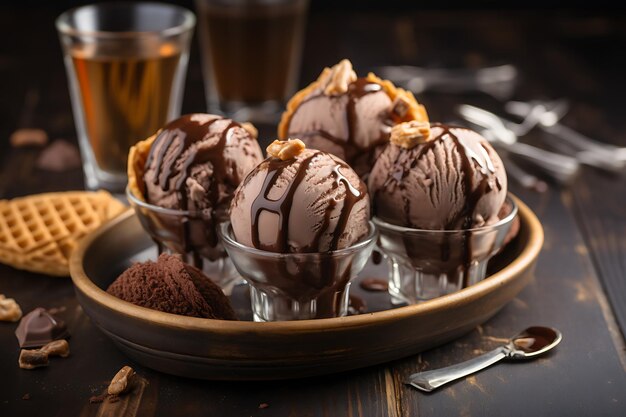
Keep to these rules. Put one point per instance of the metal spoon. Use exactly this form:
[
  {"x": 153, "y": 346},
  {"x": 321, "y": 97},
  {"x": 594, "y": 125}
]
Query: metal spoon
[{"x": 530, "y": 343}]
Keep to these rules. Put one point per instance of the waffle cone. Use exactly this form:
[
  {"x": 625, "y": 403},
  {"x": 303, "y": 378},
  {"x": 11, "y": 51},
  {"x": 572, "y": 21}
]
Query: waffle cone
[
  {"x": 39, "y": 232},
  {"x": 137, "y": 157}
]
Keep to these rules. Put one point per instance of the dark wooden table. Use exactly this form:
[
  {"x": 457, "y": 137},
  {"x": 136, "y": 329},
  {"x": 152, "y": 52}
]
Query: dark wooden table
[{"x": 580, "y": 284}]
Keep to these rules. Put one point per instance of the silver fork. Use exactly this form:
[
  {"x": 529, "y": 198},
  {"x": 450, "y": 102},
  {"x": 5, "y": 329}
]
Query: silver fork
[
  {"x": 504, "y": 133},
  {"x": 547, "y": 115}
]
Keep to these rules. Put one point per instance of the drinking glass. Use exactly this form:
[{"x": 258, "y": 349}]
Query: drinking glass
[
  {"x": 251, "y": 52},
  {"x": 126, "y": 65}
]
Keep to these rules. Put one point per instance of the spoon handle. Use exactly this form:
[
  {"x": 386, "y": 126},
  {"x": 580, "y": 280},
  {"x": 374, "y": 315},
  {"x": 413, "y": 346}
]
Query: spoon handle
[{"x": 430, "y": 380}]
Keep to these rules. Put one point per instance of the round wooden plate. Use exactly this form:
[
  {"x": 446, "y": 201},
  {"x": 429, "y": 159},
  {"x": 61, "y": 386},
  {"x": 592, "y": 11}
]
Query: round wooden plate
[{"x": 244, "y": 350}]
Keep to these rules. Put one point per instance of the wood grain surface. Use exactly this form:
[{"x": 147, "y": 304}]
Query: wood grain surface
[{"x": 580, "y": 280}]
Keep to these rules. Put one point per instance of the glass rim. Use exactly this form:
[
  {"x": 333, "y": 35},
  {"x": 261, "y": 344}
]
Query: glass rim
[
  {"x": 224, "y": 230},
  {"x": 189, "y": 21},
  {"x": 132, "y": 198},
  {"x": 403, "y": 229}
]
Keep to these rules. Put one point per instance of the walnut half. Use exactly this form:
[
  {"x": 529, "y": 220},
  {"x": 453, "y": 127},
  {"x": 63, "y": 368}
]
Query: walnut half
[
  {"x": 285, "y": 149},
  {"x": 338, "y": 79},
  {"x": 9, "y": 309},
  {"x": 410, "y": 134},
  {"x": 121, "y": 381}
]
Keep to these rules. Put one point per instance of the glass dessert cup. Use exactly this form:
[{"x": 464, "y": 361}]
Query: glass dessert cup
[
  {"x": 190, "y": 234},
  {"x": 425, "y": 264},
  {"x": 298, "y": 286}
]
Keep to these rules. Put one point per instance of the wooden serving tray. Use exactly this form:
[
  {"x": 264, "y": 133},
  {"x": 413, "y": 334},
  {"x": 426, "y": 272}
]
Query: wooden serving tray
[{"x": 245, "y": 350}]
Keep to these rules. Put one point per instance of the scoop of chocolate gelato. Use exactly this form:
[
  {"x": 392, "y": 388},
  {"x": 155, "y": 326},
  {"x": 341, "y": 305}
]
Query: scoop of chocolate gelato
[
  {"x": 347, "y": 116},
  {"x": 197, "y": 161},
  {"x": 308, "y": 201},
  {"x": 171, "y": 286},
  {"x": 452, "y": 180}
]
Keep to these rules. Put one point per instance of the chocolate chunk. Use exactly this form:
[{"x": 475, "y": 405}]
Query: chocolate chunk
[
  {"x": 375, "y": 284},
  {"x": 59, "y": 156},
  {"x": 38, "y": 328},
  {"x": 97, "y": 399}
]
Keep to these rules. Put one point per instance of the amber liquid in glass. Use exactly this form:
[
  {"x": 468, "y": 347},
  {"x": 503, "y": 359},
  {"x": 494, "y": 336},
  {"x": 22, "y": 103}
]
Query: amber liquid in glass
[
  {"x": 252, "y": 49},
  {"x": 125, "y": 97}
]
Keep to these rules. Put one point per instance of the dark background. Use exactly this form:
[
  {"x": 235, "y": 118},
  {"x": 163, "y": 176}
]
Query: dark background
[{"x": 562, "y": 49}]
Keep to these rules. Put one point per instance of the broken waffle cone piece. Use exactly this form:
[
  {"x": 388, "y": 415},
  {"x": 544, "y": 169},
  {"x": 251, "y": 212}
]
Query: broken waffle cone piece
[
  {"x": 137, "y": 157},
  {"x": 39, "y": 232}
]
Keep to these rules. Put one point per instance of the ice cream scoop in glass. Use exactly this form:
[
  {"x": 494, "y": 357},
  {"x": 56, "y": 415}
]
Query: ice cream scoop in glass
[
  {"x": 299, "y": 232},
  {"x": 440, "y": 204},
  {"x": 181, "y": 181}
]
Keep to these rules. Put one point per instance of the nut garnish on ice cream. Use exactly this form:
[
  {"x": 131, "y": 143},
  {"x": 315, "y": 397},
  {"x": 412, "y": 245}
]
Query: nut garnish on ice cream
[
  {"x": 285, "y": 149},
  {"x": 311, "y": 201},
  {"x": 410, "y": 134},
  {"x": 338, "y": 78},
  {"x": 438, "y": 177}
]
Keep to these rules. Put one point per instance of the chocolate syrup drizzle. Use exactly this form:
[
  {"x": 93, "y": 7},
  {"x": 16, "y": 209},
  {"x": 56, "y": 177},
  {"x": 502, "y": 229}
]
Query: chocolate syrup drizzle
[
  {"x": 406, "y": 161},
  {"x": 182, "y": 133},
  {"x": 188, "y": 132},
  {"x": 282, "y": 206},
  {"x": 356, "y": 90}
]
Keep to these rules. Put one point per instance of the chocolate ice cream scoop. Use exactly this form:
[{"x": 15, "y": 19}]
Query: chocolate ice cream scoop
[
  {"x": 348, "y": 116},
  {"x": 197, "y": 161},
  {"x": 191, "y": 167},
  {"x": 438, "y": 177},
  {"x": 300, "y": 200},
  {"x": 171, "y": 286}
]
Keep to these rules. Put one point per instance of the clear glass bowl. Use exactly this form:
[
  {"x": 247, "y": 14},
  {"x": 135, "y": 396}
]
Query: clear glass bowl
[
  {"x": 298, "y": 286},
  {"x": 425, "y": 264},
  {"x": 190, "y": 234}
]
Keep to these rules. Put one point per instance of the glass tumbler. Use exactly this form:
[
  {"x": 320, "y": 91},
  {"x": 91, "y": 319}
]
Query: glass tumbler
[
  {"x": 298, "y": 286},
  {"x": 126, "y": 65},
  {"x": 190, "y": 234},
  {"x": 251, "y": 52},
  {"x": 425, "y": 264}
]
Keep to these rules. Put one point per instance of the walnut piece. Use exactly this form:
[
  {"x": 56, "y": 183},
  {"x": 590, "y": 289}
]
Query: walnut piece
[
  {"x": 31, "y": 359},
  {"x": 9, "y": 309},
  {"x": 285, "y": 149},
  {"x": 57, "y": 348},
  {"x": 121, "y": 381},
  {"x": 28, "y": 137},
  {"x": 410, "y": 134},
  {"x": 337, "y": 80}
]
